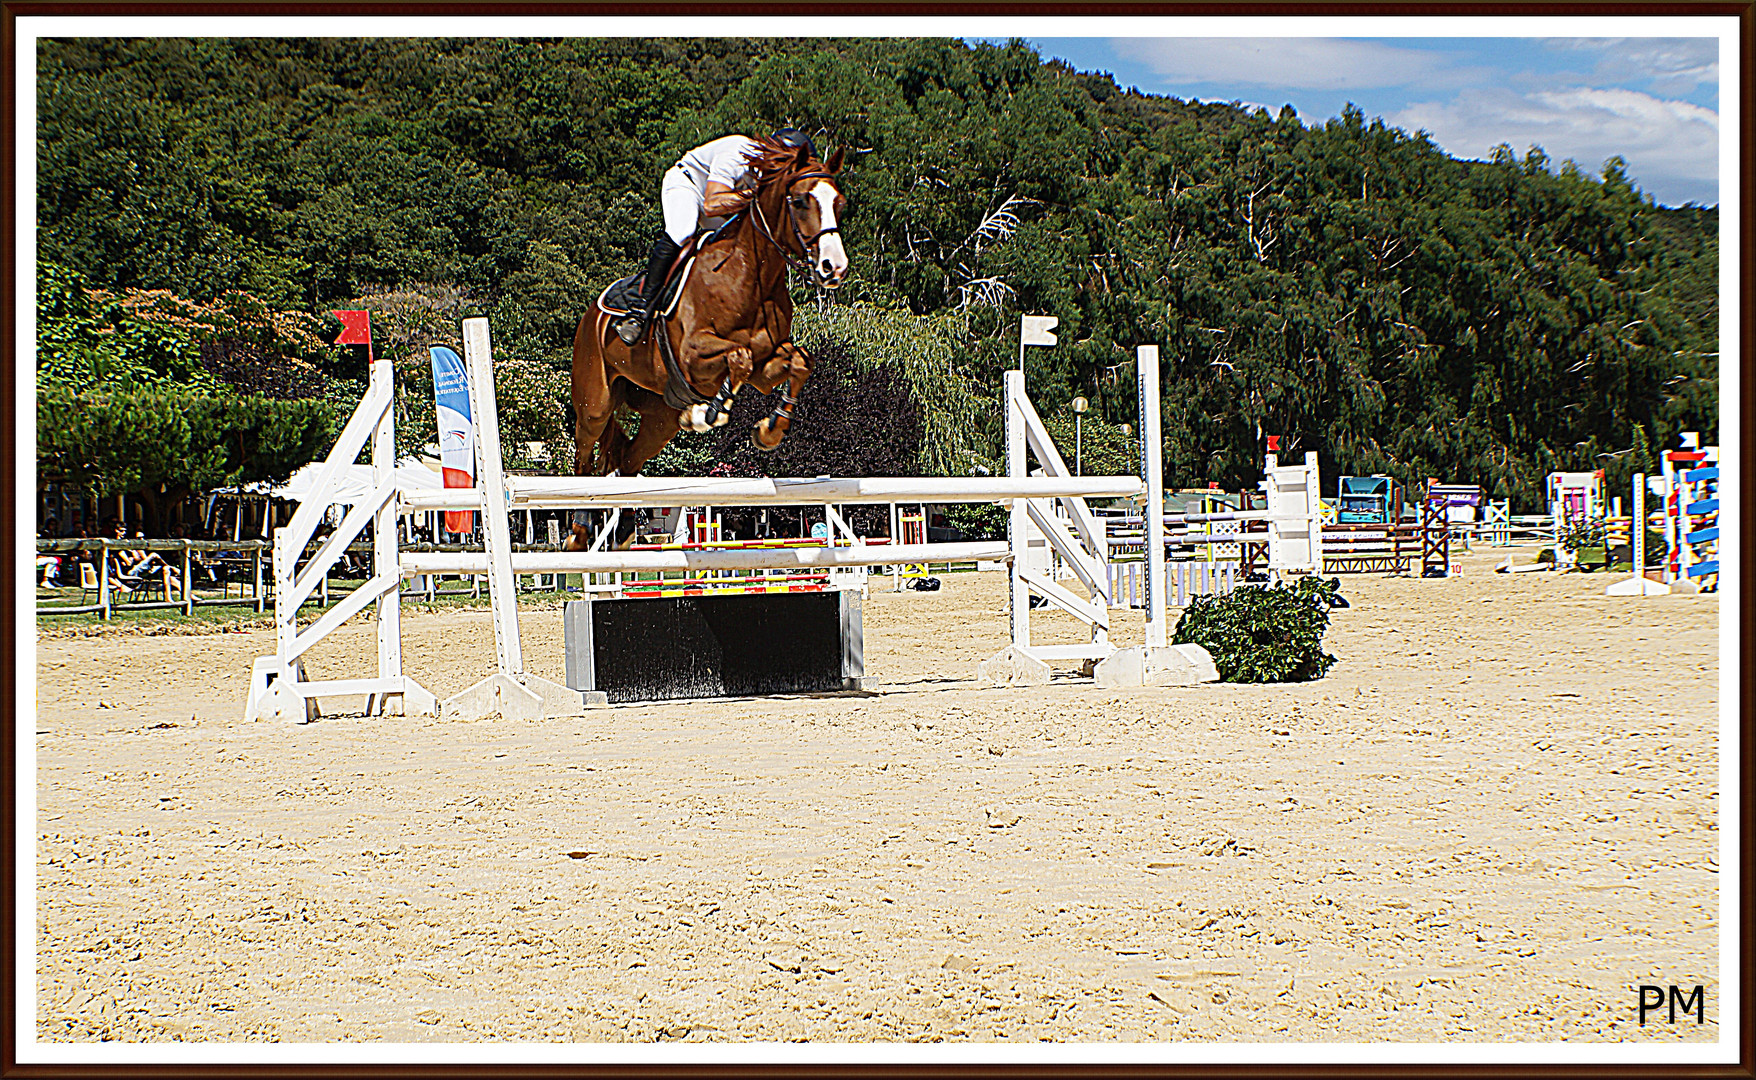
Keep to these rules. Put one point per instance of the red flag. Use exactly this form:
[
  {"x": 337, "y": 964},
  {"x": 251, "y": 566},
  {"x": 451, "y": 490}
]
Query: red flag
[{"x": 356, "y": 327}]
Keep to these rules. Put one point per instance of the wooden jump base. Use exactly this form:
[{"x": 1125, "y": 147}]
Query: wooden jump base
[{"x": 1049, "y": 508}]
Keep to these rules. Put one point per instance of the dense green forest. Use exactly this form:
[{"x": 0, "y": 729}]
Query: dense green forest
[{"x": 1346, "y": 285}]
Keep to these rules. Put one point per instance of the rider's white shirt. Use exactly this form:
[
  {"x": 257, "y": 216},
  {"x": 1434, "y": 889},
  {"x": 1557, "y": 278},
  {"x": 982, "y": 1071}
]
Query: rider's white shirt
[{"x": 724, "y": 159}]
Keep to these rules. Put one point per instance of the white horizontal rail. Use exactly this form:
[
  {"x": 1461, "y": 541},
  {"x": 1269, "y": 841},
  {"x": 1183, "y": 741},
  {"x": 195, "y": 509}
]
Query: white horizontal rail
[
  {"x": 562, "y": 492},
  {"x": 606, "y": 562}
]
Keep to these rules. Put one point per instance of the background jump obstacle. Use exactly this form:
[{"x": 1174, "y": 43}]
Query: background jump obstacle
[
  {"x": 1692, "y": 523},
  {"x": 1638, "y": 584}
]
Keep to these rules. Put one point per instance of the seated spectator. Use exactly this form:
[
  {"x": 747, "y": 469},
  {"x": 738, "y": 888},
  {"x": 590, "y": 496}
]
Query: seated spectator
[
  {"x": 147, "y": 563},
  {"x": 199, "y": 566},
  {"x": 48, "y": 563},
  {"x": 121, "y": 560},
  {"x": 82, "y": 555}
]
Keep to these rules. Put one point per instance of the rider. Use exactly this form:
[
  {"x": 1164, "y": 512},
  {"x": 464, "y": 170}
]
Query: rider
[{"x": 711, "y": 181}]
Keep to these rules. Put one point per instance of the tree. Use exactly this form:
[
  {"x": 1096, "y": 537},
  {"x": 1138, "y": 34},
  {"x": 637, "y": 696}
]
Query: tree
[
  {"x": 140, "y": 394},
  {"x": 1343, "y": 284}
]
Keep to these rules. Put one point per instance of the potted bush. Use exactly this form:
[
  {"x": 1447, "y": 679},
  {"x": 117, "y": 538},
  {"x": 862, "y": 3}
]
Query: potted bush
[
  {"x": 1584, "y": 540},
  {"x": 1264, "y": 634}
]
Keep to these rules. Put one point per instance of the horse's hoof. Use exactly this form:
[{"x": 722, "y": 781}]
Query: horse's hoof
[
  {"x": 756, "y": 439},
  {"x": 695, "y": 419}
]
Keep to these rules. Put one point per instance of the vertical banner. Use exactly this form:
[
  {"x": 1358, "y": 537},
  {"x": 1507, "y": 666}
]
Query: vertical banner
[
  {"x": 457, "y": 431},
  {"x": 1035, "y": 330}
]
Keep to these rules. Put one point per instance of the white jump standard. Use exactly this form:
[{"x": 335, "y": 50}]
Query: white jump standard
[{"x": 277, "y": 683}]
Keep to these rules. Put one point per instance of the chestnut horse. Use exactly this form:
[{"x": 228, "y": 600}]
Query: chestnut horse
[{"x": 732, "y": 324}]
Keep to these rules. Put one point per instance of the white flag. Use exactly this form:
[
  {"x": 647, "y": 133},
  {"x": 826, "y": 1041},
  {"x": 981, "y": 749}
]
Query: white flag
[{"x": 1038, "y": 330}]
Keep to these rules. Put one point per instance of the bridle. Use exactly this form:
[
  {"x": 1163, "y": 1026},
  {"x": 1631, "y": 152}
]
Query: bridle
[{"x": 800, "y": 262}]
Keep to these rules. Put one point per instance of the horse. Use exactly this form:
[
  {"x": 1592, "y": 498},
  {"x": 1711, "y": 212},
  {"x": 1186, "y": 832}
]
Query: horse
[{"x": 730, "y": 323}]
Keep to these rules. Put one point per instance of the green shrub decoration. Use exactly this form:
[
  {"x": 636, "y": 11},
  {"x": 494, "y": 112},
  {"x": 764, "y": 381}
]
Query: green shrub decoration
[
  {"x": 1574, "y": 535},
  {"x": 1259, "y": 634}
]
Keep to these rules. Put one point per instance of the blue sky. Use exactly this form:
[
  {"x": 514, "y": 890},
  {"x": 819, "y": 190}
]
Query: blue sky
[{"x": 1655, "y": 101}]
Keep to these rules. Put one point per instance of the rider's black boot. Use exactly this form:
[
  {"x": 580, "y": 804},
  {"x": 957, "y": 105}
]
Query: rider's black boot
[{"x": 658, "y": 261}]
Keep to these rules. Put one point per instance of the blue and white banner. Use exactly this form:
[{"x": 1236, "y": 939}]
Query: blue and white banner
[{"x": 457, "y": 431}]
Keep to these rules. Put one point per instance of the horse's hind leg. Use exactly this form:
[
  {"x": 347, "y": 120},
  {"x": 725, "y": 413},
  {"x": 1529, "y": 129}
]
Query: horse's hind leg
[
  {"x": 612, "y": 448},
  {"x": 658, "y": 423},
  {"x": 592, "y": 404}
]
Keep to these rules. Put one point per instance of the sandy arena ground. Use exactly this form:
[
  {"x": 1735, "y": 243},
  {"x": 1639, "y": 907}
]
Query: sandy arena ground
[{"x": 1492, "y": 820}]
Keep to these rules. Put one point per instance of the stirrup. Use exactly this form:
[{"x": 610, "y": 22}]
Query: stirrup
[{"x": 631, "y": 328}]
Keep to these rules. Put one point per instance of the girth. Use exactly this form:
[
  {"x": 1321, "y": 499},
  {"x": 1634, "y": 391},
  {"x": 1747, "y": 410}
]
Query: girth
[{"x": 679, "y": 393}]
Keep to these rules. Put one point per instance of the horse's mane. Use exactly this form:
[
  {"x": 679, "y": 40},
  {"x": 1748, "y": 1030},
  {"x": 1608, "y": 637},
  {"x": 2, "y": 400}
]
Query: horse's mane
[{"x": 771, "y": 160}]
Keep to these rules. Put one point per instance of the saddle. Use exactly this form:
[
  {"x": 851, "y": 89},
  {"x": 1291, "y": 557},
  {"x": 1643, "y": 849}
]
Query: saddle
[
  {"x": 622, "y": 298},
  {"x": 621, "y": 301}
]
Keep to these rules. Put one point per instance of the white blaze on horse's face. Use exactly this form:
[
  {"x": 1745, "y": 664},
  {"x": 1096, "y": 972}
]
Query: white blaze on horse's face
[{"x": 830, "y": 263}]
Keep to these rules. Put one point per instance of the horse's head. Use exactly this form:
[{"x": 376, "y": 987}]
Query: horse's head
[{"x": 815, "y": 204}]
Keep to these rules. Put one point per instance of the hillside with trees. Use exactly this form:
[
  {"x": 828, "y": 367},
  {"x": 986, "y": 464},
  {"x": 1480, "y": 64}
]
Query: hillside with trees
[{"x": 1346, "y": 285}]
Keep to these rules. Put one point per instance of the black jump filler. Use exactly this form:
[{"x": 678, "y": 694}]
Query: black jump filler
[{"x": 740, "y": 645}]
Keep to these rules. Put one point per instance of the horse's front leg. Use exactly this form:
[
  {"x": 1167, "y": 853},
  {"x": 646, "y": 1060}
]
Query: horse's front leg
[
  {"x": 706, "y": 351},
  {"x": 794, "y": 365}
]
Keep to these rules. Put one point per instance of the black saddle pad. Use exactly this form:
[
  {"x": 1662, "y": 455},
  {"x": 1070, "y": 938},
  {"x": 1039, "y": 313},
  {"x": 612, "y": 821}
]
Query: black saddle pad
[{"x": 623, "y": 297}]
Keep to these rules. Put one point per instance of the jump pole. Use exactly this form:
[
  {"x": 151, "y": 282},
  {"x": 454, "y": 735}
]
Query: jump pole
[
  {"x": 602, "y": 492},
  {"x": 1156, "y": 662}
]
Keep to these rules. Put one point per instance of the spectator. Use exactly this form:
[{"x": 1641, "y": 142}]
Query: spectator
[
  {"x": 49, "y": 565},
  {"x": 82, "y": 554},
  {"x": 149, "y": 563},
  {"x": 198, "y": 566},
  {"x": 219, "y": 535},
  {"x": 122, "y": 561}
]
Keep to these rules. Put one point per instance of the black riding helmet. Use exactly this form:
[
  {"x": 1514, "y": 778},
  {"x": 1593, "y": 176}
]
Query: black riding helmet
[{"x": 794, "y": 138}]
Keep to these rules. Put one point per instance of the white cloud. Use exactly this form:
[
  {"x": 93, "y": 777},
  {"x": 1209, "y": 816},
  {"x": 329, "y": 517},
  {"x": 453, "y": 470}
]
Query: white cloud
[
  {"x": 1670, "y": 65},
  {"x": 1287, "y": 63},
  {"x": 1668, "y": 144}
]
